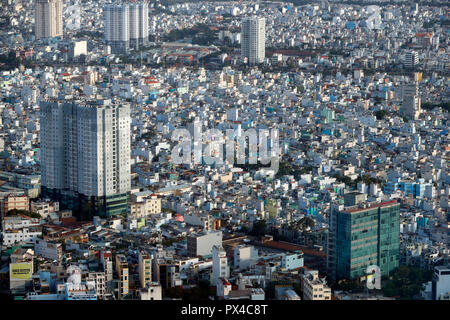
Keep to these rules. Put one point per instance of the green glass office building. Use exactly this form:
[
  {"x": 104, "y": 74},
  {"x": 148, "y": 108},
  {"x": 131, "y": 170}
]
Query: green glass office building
[
  {"x": 367, "y": 235},
  {"x": 84, "y": 207}
]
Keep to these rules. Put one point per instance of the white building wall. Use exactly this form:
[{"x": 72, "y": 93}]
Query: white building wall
[
  {"x": 253, "y": 39},
  {"x": 85, "y": 147},
  {"x": 244, "y": 256},
  {"x": 292, "y": 261},
  {"x": 442, "y": 282},
  {"x": 48, "y": 18},
  {"x": 152, "y": 292},
  {"x": 220, "y": 264}
]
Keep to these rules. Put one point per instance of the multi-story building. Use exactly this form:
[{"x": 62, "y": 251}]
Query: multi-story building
[
  {"x": 411, "y": 59},
  {"x": 147, "y": 206},
  {"x": 440, "y": 285},
  {"x": 19, "y": 229},
  {"x": 292, "y": 261},
  {"x": 48, "y": 249},
  {"x": 223, "y": 288},
  {"x": 11, "y": 237},
  {"x": 123, "y": 276},
  {"x": 411, "y": 106},
  {"x": 353, "y": 198},
  {"x": 44, "y": 208},
  {"x": 13, "y": 201},
  {"x": 315, "y": 288},
  {"x": 85, "y": 155},
  {"x": 117, "y": 34},
  {"x": 424, "y": 39},
  {"x": 80, "y": 290},
  {"x": 126, "y": 25},
  {"x": 152, "y": 291},
  {"x": 361, "y": 236},
  {"x": 19, "y": 222},
  {"x": 145, "y": 269},
  {"x": 203, "y": 220},
  {"x": 167, "y": 273},
  {"x": 201, "y": 244},
  {"x": 30, "y": 183},
  {"x": 48, "y": 19},
  {"x": 253, "y": 39},
  {"x": 107, "y": 264},
  {"x": 220, "y": 264},
  {"x": 244, "y": 256},
  {"x": 138, "y": 24},
  {"x": 99, "y": 279},
  {"x": 21, "y": 270}
]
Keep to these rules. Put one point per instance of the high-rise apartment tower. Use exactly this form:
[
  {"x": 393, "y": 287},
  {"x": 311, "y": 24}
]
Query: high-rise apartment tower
[
  {"x": 48, "y": 19},
  {"x": 253, "y": 39},
  {"x": 85, "y": 155}
]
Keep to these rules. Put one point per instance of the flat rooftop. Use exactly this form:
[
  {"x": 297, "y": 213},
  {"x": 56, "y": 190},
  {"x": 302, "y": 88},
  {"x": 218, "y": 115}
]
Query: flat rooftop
[{"x": 355, "y": 209}]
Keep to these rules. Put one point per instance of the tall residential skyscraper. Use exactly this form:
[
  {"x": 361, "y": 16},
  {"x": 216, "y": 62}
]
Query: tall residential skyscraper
[
  {"x": 117, "y": 34},
  {"x": 126, "y": 24},
  {"x": 363, "y": 235},
  {"x": 138, "y": 24},
  {"x": 85, "y": 155},
  {"x": 253, "y": 39},
  {"x": 48, "y": 18}
]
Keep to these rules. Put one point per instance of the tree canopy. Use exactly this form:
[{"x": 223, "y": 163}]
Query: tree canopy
[
  {"x": 15, "y": 212},
  {"x": 406, "y": 282}
]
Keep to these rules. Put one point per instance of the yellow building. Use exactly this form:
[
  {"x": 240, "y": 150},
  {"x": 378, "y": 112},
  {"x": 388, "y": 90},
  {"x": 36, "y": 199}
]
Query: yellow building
[
  {"x": 12, "y": 201},
  {"x": 123, "y": 275},
  {"x": 315, "y": 288},
  {"x": 141, "y": 209},
  {"x": 145, "y": 269}
]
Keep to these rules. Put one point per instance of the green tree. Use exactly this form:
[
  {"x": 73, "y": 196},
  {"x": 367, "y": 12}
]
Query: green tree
[
  {"x": 406, "y": 282},
  {"x": 259, "y": 228},
  {"x": 15, "y": 212},
  {"x": 381, "y": 114}
]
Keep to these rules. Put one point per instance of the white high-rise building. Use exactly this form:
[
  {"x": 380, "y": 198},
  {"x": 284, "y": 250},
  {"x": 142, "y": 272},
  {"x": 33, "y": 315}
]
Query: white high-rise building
[
  {"x": 253, "y": 39},
  {"x": 220, "y": 264},
  {"x": 85, "y": 152},
  {"x": 411, "y": 59},
  {"x": 138, "y": 24},
  {"x": 126, "y": 24},
  {"x": 48, "y": 19},
  {"x": 117, "y": 34}
]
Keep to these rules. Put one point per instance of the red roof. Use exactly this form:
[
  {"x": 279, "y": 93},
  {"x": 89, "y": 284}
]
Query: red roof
[
  {"x": 281, "y": 245},
  {"x": 429, "y": 35}
]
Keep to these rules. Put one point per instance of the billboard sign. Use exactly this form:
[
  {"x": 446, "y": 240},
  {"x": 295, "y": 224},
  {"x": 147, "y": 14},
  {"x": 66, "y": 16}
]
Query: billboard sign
[{"x": 20, "y": 271}]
